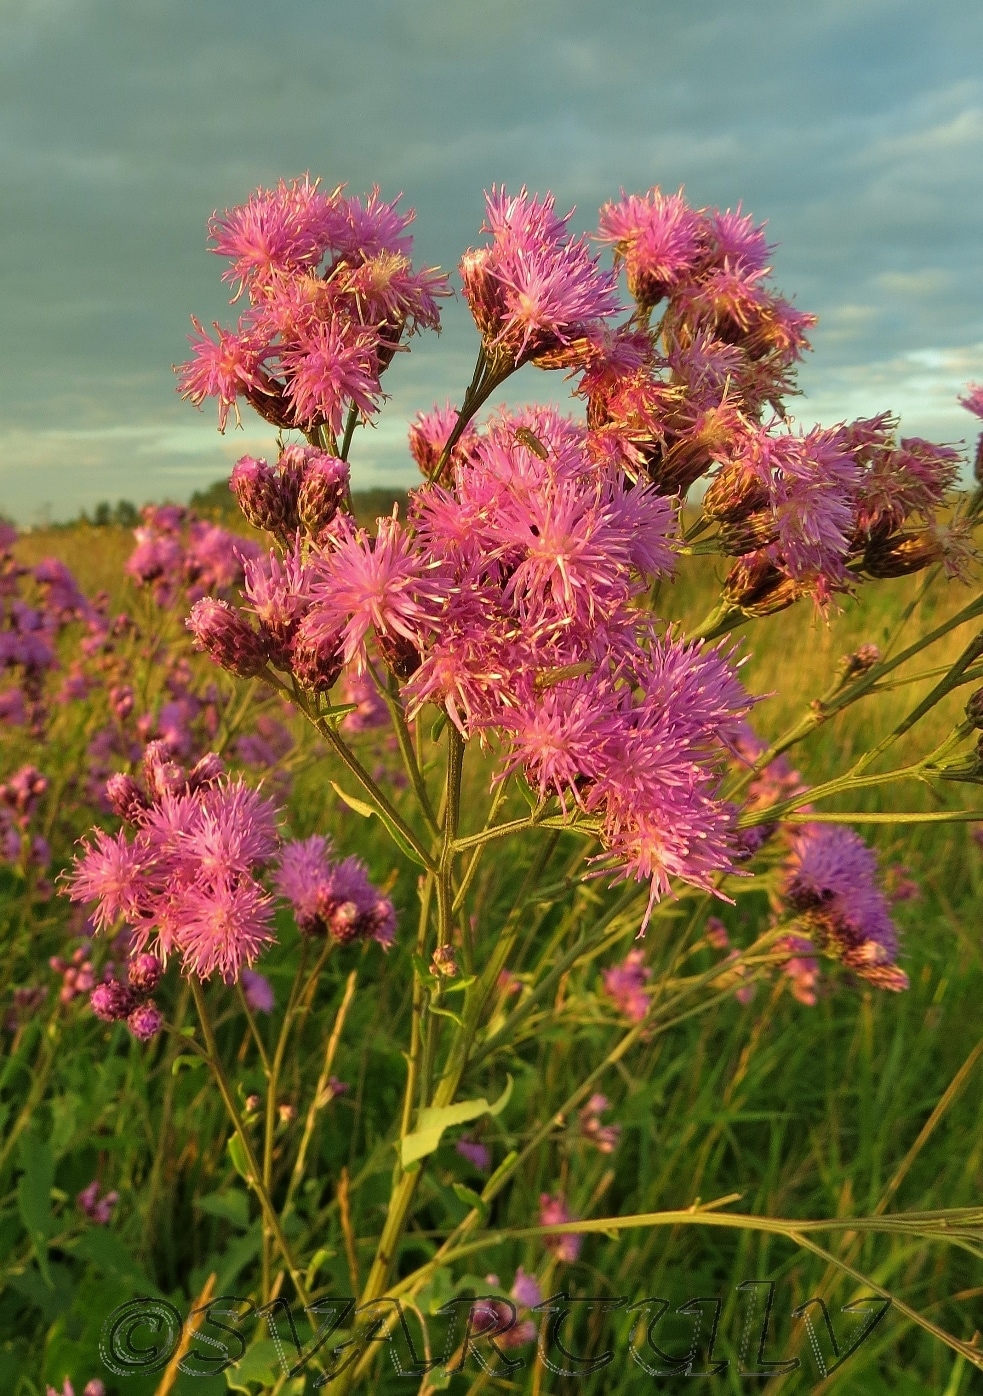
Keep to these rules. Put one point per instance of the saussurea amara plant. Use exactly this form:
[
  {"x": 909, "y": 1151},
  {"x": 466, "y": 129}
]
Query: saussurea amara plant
[{"x": 602, "y": 844}]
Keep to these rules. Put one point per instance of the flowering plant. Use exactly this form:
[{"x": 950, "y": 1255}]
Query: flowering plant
[{"x": 521, "y": 632}]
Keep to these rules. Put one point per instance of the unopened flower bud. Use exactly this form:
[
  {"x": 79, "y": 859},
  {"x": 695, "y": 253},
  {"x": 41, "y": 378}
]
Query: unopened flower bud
[
  {"x": 315, "y": 654},
  {"x": 228, "y": 638},
  {"x": 402, "y": 657},
  {"x": 126, "y": 798},
  {"x": 444, "y": 962},
  {"x": 324, "y": 486},
  {"x": 144, "y": 973},
  {"x": 146, "y": 1021},
  {"x": 286, "y": 1113},
  {"x": 252, "y": 1103},
  {"x": 111, "y": 1001},
  {"x": 747, "y": 535},
  {"x": 853, "y": 666},
  {"x": 733, "y": 494},
  {"x": 903, "y": 553},
  {"x": 205, "y": 772},
  {"x": 760, "y": 588},
  {"x": 974, "y": 709},
  {"x": 257, "y": 490}
]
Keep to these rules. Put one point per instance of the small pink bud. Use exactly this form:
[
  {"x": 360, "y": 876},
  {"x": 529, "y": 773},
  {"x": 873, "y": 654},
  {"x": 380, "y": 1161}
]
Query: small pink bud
[{"x": 228, "y": 638}]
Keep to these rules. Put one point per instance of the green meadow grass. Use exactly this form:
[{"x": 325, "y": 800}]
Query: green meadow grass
[{"x": 821, "y": 1112}]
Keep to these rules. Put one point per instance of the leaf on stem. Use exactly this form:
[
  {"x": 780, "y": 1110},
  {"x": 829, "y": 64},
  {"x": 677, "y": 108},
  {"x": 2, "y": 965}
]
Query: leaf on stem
[{"x": 433, "y": 1120}]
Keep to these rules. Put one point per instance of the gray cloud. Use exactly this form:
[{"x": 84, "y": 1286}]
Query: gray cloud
[{"x": 854, "y": 126}]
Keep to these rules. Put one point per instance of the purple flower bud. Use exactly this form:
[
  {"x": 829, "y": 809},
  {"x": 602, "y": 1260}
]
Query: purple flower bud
[
  {"x": 323, "y": 488},
  {"x": 257, "y": 491},
  {"x": 125, "y": 797},
  {"x": 144, "y": 973},
  {"x": 227, "y": 637},
  {"x": 121, "y": 701},
  {"x": 206, "y": 772},
  {"x": 258, "y": 991},
  {"x": 94, "y": 1388},
  {"x": 111, "y": 1001},
  {"x": 146, "y": 1021},
  {"x": 315, "y": 654}
]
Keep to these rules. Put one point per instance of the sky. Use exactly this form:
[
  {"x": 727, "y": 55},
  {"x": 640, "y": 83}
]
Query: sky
[{"x": 854, "y": 127}]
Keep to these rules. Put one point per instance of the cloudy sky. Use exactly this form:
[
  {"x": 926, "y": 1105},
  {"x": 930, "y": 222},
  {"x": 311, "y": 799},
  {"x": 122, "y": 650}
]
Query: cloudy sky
[{"x": 855, "y": 127}]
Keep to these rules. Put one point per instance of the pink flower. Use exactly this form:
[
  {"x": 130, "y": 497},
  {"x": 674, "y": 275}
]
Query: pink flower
[
  {"x": 553, "y": 1211},
  {"x": 277, "y": 230},
  {"x": 186, "y": 881},
  {"x": 476, "y": 1153},
  {"x": 383, "y": 584},
  {"x": 224, "y": 367},
  {"x": 96, "y": 1208},
  {"x": 429, "y": 433},
  {"x": 223, "y": 926},
  {"x": 658, "y": 237},
  {"x": 331, "y": 898},
  {"x": 603, "y": 1137},
  {"x": 737, "y": 241},
  {"x": 972, "y": 399},
  {"x": 336, "y": 365},
  {"x": 535, "y": 289},
  {"x": 626, "y": 986},
  {"x": 279, "y": 592},
  {"x": 258, "y": 991},
  {"x": 832, "y": 886}
]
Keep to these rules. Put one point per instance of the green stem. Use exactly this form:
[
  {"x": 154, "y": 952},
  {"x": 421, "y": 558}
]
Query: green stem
[
  {"x": 255, "y": 1176},
  {"x": 370, "y": 787},
  {"x": 392, "y": 700},
  {"x": 350, "y": 425}
]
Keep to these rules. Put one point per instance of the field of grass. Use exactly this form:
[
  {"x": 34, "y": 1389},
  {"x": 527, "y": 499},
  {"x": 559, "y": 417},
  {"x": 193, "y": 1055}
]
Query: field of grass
[{"x": 865, "y": 1103}]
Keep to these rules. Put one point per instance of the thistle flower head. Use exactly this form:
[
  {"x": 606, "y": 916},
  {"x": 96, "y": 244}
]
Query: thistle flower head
[
  {"x": 224, "y": 367},
  {"x": 659, "y": 239},
  {"x": 535, "y": 289}
]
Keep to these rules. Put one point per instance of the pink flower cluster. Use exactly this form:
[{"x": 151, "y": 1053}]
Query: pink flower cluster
[
  {"x": 331, "y": 291},
  {"x": 178, "y": 552},
  {"x": 29, "y": 630},
  {"x": 333, "y": 898},
  {"x": 499, "y": 1319},
  {"x": 553, "y": 1211},
  {"x": 185, "y": 882},
  {"x": 96, "y": 1208},
  {"x": 20, "y": 797}
]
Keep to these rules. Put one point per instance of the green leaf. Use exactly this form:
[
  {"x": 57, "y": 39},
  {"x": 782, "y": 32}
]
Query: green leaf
[
  {"x": 231, "y": 1206},
  {"x": 437, "y": 729},
  {"x": 359, "y": 806},
  {"x": 366, "y": 811},
  {"x": 502, "y": 1168},
  {"x": 104, "y": 1249},
  {"x": 471, "y": 1199},
  {"x": 239, "y": 1157},
  {"x": 186, "y": 1060},
  {"x": 261, "y": 1363},
  {"x": 433, "y": 1120},
  {"x": 446, "y": 1013}
]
